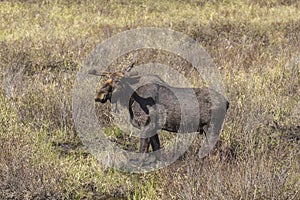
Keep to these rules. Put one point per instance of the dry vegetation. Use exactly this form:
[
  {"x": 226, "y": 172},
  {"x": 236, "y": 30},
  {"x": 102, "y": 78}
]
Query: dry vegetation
[{"x": 256, "y": 47}]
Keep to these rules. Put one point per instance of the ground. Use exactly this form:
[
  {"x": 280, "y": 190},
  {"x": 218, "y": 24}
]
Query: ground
[{"x": 255, "y": 45}]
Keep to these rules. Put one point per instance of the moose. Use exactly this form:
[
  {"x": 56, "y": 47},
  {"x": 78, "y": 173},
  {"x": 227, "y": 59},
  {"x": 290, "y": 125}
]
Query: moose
[{"x": 155, "y": 106}]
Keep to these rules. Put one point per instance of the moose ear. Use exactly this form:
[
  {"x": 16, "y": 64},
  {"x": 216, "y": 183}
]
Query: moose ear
[
  {"x": 131, "y": 74},
  {"x": 98, "y": 73},
  {"x": 130, "y": 67}
]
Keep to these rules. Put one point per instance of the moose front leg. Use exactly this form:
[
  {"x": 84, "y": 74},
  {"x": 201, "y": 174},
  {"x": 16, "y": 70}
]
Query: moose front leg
[
  {"x": 145, "y": 144},
  {"x": 155, "y": 144},
  {"x": 149, "y": 134}
]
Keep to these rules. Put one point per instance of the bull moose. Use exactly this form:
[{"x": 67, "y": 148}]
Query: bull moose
[{"x": 155, "y": 106}]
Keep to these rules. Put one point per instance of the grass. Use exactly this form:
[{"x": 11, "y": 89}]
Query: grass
[{"x": 254, "y": 43}]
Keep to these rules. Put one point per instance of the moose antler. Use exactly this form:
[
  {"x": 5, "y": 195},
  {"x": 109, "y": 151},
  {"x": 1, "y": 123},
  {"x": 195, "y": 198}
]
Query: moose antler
[
  {"x": 97, "y": 73},
  {"x": 115, "y": 75}
]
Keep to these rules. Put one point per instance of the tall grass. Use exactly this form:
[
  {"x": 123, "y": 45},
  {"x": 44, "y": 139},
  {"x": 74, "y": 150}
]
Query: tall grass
[{"x": 254, "y": 43}]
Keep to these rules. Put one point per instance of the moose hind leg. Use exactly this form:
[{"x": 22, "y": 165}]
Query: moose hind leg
[
  {"x": 212, "y": 135},
  {"x": 211, "y": 138}
]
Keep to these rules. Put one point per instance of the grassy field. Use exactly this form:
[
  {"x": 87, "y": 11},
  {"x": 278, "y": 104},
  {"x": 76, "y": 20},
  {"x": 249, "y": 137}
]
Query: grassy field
[{"x": 255, "y": 45}]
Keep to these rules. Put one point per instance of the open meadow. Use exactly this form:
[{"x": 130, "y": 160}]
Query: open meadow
[{"x": 254, "y": 43}]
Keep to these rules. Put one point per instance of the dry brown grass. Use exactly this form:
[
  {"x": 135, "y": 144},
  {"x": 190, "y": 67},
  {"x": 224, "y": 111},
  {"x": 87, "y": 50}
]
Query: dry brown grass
[{"x": 256, "y": 47}]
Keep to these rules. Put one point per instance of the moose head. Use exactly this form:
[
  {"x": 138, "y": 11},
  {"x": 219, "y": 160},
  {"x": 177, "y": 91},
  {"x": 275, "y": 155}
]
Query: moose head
[{"x": 111, "y": 85}]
